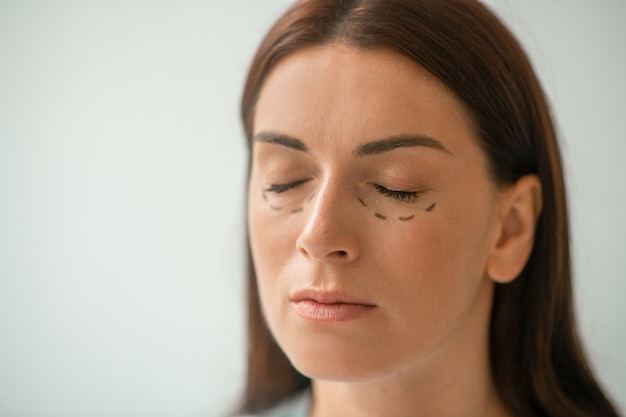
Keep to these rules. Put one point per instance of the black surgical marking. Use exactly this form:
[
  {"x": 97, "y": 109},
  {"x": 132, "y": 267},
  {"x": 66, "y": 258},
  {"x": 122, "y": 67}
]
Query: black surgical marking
[
  {"x": 362, "y": 202},
  {"x": 431, "y": 208},
  {"x": 298, "y": 210},
  {"x": 380, "y": 216},
  {"x": 406, "y": 219},
  {"x": 311, "y": 198}
]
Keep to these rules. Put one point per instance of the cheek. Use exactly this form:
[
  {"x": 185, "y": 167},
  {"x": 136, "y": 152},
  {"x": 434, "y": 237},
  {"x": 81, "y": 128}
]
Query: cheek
[
  {"x": 272, "y": 234},
  {"x": 272, "y": 241},
  {"x": 438, "y": 263}
]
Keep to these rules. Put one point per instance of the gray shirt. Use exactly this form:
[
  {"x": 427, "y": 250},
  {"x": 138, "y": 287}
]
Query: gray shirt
[{"x": 296, "y": 406}]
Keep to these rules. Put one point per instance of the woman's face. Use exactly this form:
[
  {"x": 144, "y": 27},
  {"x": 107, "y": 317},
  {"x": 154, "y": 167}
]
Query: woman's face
[{"x": 371, "y": 214}]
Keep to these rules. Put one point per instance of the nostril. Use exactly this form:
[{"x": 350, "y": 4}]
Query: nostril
[{"x": 342, "y": 253}]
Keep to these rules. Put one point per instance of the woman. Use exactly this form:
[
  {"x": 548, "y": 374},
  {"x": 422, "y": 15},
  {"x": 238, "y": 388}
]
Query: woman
[{"x": 407, "y": 219}]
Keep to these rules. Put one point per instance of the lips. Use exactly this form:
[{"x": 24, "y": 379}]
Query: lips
[{"x": 325, "y": 306}]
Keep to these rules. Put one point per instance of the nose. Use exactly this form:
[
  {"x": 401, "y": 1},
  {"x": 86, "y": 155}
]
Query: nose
[{"x": 329, "y": 234}]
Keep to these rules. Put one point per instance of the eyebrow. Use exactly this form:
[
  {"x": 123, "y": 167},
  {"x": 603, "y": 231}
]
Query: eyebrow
[
  {"x": 399, "y": 141},
  {"x": 280, "y": 139},
  {"x": 370, "y": 148}
]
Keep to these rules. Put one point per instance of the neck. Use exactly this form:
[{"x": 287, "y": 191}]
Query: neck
[
  {"x": 444, "y": 396},
  {"x": 455, "y": 381}
]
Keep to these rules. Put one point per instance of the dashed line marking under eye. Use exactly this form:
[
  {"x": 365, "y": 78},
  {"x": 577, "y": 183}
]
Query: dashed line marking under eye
[
  {"x": 311, "y": 198},
  {"x": 298, "y": 210},
  {"x": 380, "y": 216},
  {"x": 276, "y": 208},
  {"x": 406, "y": 219},
  {"x": 431, "y": 208},
  {"x": 362, "y": 202}
]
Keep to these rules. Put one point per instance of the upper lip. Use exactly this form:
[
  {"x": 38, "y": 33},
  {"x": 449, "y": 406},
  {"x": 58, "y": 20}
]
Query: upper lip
[{"x": 327, "y": 297}]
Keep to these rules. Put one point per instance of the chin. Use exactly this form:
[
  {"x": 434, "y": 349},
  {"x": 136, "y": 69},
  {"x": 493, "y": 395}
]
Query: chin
[{"x": 334, "y": 362}]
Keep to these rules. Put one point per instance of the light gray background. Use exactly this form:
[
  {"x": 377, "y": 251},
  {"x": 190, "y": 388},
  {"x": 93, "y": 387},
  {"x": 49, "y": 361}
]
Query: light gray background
[{"x": 121, "y": 195}]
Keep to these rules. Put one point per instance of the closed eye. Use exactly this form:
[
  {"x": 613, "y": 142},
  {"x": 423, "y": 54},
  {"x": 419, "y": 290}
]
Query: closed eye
[
  {"x": 281, "y": 188},
  {"x": 399, "y": 195}
]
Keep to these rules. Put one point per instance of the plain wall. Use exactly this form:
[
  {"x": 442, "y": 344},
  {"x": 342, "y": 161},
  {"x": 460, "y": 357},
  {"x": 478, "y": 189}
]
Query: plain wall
[{"x": 122, "y": 167}]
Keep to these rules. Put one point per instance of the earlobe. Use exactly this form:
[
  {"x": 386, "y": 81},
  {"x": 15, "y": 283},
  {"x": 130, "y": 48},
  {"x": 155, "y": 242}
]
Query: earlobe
[{"x": 520, "y": 207}]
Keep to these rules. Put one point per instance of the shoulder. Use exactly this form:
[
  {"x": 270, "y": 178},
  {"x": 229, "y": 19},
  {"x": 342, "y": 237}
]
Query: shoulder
[{"x": 296, "y": 406}]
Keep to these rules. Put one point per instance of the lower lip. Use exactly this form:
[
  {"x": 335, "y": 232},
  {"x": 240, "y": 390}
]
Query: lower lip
[{"x": 312, "y": 310}]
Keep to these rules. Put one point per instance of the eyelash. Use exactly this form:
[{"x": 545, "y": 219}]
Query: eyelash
[
  {"x": 402, "y": 196},
  {"x": 399, "y": 195},
  {"x": 281, "y": 188}
]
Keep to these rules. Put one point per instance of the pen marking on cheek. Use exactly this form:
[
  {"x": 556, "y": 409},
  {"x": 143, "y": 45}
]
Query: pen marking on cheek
[
  {"x": 276, "y": 208},
  {"x": 298, "y": 210},
  {"x": 362, "y": 202},
  {"x": 380, "y": 216},
  {"x": 406, "y": 219},
  {"x": 264, "y": 196},
  {"x": 431, "y": 208}
]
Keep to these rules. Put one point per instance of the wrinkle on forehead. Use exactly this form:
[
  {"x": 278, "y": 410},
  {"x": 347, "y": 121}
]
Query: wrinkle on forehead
[
  {"x": 350, "y": 75},
  {"x": 332, "y": 92}
]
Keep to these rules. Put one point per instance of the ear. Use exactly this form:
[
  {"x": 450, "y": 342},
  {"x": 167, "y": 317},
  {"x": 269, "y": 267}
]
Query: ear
[{"x": 519, "y": 209}]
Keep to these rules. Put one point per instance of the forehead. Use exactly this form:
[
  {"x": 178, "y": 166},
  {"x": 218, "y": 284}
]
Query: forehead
[{"x": 337, "y": 93}]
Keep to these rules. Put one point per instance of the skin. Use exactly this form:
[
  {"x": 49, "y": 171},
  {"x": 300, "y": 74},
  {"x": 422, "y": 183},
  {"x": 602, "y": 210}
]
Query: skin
[{"x": 429, "y": 267}]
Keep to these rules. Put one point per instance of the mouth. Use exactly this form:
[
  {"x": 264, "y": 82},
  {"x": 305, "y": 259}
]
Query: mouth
[{"x": 324, "y": 306}]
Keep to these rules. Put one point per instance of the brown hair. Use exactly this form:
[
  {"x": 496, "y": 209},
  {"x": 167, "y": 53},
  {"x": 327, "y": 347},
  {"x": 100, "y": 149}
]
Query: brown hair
[{"x": 537, "y": 362}]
